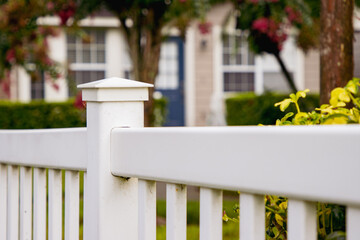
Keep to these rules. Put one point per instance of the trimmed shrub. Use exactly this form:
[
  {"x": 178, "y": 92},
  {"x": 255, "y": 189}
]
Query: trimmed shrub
[
  {"x": 250, "y": 109},
  {"x": 40, "y": 114}
]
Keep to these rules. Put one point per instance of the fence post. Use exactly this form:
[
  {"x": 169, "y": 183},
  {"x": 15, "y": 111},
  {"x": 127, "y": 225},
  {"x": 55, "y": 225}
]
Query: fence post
[{"x": 110, "y": 204}]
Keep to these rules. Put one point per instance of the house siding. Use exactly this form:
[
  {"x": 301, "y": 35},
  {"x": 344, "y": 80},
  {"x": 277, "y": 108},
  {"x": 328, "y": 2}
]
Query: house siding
[{"x": 312, "y": 71}]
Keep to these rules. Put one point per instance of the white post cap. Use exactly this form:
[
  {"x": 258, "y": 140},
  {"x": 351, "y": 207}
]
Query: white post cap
[{"x": 115, "y": 90}]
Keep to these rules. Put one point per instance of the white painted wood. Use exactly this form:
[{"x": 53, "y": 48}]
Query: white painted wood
[
  {"x": 111, "y": 202},
  {"x": 190, "y": 111},
  {"x": 25, "y": 203},
  {"x": 84, "y": 202},
  {"x": 46, "y": 148},
  {"x": 252, "y": 217},
  {"x": 176, "y": 211},
  {"x": 301, "y": 220},
  {"x": 235, "y": 151},
  {"x": 211, "y": 207},
  {"x": 352, "y": 223},
  {"x": 147, "y": 210},
  {"x": 13, "y": 203},
  {"x": 72, "y": 205},
  {"x": 55, "y": 204},
  {"x": 3, "y": 201},
  {"x": 39, "y": 207}
]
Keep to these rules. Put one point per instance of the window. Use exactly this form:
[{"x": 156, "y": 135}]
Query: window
[
  {"x": 86, "y": 58},
  {"x": 37, "y": 87},
  {"x": 238, "y": 64},
  {"x": 168, "y": 76}
]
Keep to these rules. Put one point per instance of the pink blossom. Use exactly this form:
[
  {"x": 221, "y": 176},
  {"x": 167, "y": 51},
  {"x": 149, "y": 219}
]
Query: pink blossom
[{"x": 261, "y": 24}]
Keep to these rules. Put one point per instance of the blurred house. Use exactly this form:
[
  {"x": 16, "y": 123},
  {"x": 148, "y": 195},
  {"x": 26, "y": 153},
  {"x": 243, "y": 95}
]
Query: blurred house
[{"x": 195, "y": 75}]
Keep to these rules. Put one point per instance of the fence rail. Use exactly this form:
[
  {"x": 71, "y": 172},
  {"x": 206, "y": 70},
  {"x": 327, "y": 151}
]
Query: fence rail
[
  {"x": 45, "y": 148},
  {"x": 287, "y": 161}
]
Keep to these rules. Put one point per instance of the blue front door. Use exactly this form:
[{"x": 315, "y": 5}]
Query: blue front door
[{"x": 170, "y": 81}]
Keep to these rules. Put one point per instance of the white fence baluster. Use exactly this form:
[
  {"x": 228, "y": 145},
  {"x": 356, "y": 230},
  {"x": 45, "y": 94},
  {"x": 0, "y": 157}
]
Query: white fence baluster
[
  {"x": 13, "y": 203},
  {"x": 147, "y": 210},
  {"x": 3, "y": 200},
  {"x": 71, "y": 205},
  {"x": 352, "y": 223},
  {"x": 252, "y": 217},
  {"x": 176, "y": 211},
  {"x": 84, "y": 202},
  {"x": 55, "y": 204},
  {"x": 301, "y": 221},
  {"x": 211, "y": 205},
  {"x": 39, "y": 216},
  {"x": 25, "y": 203}
]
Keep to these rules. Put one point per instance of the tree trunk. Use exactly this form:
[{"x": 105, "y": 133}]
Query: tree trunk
[
  {"x": 286, "y": 73},
  {"x": 144, "y": 39},
  {"x": 336, "y": 45}
]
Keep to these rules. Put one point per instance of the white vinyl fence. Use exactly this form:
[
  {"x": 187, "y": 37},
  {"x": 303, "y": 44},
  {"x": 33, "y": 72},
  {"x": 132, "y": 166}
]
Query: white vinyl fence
[{"x": 122, "y": 161}]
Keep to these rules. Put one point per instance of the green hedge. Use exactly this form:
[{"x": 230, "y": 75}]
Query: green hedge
[
  {"x": 39, "y": 114},
  {"x": 249, "y": 109}
]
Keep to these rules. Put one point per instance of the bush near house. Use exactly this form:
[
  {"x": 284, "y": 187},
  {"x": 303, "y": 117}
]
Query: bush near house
[
  {"x": 40, "y": 114},
  {"x": 250, "y": 109}
]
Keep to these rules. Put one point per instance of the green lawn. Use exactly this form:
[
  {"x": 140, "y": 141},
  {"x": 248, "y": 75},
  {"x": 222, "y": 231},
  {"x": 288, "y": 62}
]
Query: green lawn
[{"x": 230, "y": 229}]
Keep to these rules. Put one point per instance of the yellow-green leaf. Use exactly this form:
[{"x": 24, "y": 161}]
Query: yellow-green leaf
[
  {"x": 283, "y": 104},
  {"x": 302, "y": 93},
  {"x": 351, "y": 87},
  {"x": 283, "y": 205},
  {"x": 279, "y": 219}
]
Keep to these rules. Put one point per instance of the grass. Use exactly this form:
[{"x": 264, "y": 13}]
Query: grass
[{"x": 230, "y": 229}]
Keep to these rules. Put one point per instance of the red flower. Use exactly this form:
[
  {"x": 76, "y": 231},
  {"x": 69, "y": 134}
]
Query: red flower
[
  {"x": 204, "y": 27},
  {"x": 79, "y": 104},
  {"x": 10, "y": 56}
]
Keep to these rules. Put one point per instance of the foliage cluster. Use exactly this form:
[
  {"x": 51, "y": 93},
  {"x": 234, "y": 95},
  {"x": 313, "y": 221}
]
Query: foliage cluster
[
  {"x": 250, "y": 109},
  {"x": 24, "y": 42},
  {"x": 343, "y": 108}
]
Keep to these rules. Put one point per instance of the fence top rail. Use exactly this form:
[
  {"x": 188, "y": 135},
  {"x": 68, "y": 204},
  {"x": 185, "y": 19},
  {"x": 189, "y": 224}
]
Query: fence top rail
[
  {"x": 316, "y": 163},
  {"x": 63, "y": 148}
]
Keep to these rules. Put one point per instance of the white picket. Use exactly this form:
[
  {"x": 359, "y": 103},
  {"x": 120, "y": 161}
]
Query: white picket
[
  {"x": 55, "y": 204},
  {"x": 352, "y": 223},
  {"x": 39, "y": 208},
  {"x": 72, "y": 205},
  {"x": 3, "y": 201},
  {"x": 147, "y": 210},
  {"x": 176, "y": 198},
  {"x": 252, "y": 217},
  {"x": 13, "y": 203},
  {"x": 301, "y": 220},
  {"x": 84, "y": 201},
  {"x": 25, "y": 203},
  {"x": 210, "y": 214}
]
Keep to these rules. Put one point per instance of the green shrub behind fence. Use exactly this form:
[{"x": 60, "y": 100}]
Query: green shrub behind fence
[{"x": 249, "y": 109}]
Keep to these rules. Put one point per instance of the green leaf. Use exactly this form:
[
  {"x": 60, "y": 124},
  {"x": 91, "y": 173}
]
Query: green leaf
[{"x": 338, "y": 235}]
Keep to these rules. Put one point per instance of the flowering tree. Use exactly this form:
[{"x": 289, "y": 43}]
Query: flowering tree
[
  {"x": 23, "y": 42},
  {"x": 142, "y": 23},
  {"x": 269, "y": 23}
]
